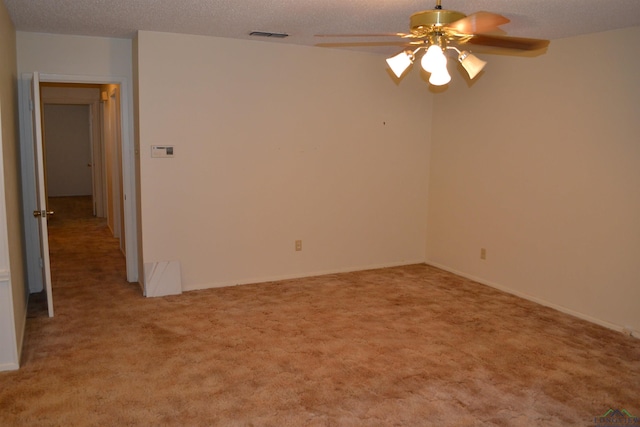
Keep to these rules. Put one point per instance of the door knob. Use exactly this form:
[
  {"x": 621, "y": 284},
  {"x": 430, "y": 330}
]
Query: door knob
[{"x": 42, "y": 213}]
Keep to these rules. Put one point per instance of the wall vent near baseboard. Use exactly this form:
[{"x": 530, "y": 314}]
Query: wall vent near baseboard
[{"x": 268, "y": 34}]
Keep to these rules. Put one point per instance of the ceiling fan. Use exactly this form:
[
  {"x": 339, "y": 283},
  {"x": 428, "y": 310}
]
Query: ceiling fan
[{"x": 438, "y": 30}]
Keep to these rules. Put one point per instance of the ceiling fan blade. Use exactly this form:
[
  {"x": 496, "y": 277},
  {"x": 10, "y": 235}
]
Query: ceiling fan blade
[
  {"x": 519, "y": 43},
  {"x": 365, "y": 35},
  {"x": 479, "y": 22},
  {"x": 363, "y": 44}
]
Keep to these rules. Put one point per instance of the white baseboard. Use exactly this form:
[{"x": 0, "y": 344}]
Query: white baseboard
[
  {"x": 9, "y": 367},
  {"x": 8, "y": 342},
  {"x": 265, "y": 279},
  {"x": 579, "y": 315}
]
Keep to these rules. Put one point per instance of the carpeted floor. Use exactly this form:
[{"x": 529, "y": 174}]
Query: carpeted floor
[{"x": 406, "y": 346}]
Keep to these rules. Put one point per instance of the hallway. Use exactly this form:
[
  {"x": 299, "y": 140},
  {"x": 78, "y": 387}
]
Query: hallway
[{"x": 85, "y": 260}]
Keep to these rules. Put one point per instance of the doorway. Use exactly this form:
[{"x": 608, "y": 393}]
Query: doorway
[
  {"x": 81, "y": 137},
  {"x": 116, "y": 87}
]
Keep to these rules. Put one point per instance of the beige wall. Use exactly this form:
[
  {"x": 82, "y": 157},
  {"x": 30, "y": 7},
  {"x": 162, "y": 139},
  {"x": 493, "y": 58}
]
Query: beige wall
[
  {"x": 276, "y": 143},
  {"x": 75, "y": 55},
  {"x": 91, "y": 60},
  {"x": 539, "y": 164},
  {"x": 12, "y": 272},
  {"x": 535, "y": 163}
]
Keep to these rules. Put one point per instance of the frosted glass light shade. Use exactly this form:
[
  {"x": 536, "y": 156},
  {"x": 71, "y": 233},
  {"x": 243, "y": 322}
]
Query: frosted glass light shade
[
  {"x": 440, "y": 76},
  {"x": 433, "y": 58},
  {"x": 471, "y": 63},
  {"x": 400, "y": 62}
]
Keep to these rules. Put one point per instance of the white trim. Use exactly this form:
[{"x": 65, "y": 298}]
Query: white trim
[
  {"x": 9, "y": 355},
  {"x": 9, "y": 367},
  {"x": 128, "y": 168},
  {"x": 296, "y": 276},
  {"x": 540, "y": 301}
]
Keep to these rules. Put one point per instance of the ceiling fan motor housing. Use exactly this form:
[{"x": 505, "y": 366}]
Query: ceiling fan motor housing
[{"x": 423, "y": 23}]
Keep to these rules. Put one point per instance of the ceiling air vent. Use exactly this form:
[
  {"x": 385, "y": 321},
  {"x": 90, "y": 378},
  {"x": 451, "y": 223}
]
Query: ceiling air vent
[{"x": 267, "y": 34}]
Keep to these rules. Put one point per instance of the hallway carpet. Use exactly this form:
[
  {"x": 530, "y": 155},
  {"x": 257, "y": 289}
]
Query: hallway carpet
[{"x": 405, "y": 346}]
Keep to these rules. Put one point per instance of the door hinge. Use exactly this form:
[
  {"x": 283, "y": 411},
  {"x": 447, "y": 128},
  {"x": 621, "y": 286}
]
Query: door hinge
[
  {"x": 41, "y": 263},
  {"x": 30, "y": 104}
]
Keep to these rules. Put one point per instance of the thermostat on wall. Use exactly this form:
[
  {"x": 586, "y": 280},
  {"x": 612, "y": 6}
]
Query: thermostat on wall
[{"x": 162, "y": 151}]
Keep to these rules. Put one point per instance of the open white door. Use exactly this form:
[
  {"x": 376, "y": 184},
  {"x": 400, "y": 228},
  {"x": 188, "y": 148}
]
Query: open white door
[{"x": 41, "y": 211}]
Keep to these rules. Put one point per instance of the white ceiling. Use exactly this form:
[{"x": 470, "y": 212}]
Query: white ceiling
[{"x": 302, "y": 19}]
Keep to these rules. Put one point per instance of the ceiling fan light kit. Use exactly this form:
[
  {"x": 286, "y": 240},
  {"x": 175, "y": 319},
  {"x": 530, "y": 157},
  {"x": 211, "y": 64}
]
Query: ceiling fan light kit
[
  {"x": 471, "y": 63},
  {"x": 440, "y": 77},
  {"x": 433, "y": 59},
  {"x": 400, "y": 62},
  {"x": 438, "y": 30}
]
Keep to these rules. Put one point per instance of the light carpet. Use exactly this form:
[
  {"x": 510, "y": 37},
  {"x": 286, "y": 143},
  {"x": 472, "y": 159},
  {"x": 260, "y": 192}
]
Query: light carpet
[{"x": 405, "y": 346}]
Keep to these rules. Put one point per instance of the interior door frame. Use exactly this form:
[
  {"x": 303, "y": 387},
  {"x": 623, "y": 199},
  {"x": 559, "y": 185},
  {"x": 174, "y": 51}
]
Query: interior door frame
[
  {"x": 95, "y": 123},
  {"x": 32, "y": 242}
]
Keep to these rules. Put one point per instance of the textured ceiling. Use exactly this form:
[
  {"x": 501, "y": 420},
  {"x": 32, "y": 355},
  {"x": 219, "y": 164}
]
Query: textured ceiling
[{"x": 302, "y": 19}]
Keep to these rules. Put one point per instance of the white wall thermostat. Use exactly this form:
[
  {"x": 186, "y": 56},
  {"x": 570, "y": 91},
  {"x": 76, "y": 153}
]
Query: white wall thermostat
[{"x": 162, "y": 151}]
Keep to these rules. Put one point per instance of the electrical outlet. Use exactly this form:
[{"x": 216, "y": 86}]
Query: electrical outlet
[
  {"x": 298, "y": 245},
  {"x": 483, "y": 253}
]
